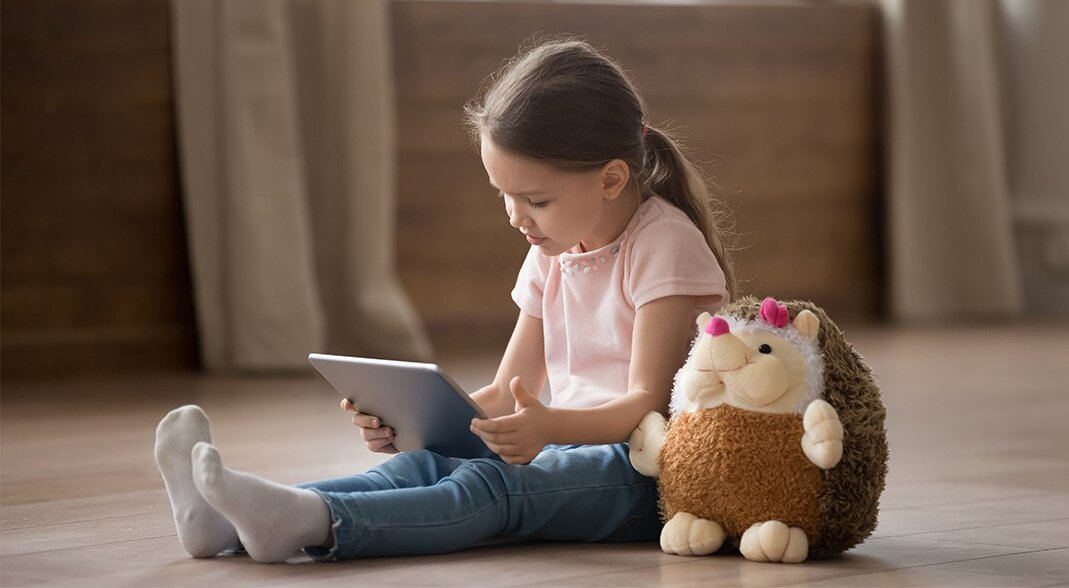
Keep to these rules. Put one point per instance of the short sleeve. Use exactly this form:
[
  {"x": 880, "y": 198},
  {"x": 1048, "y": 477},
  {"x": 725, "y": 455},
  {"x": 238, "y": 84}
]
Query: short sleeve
[
  {"x": 531, "y": 283},
  {"x": 672, "y": 258}
]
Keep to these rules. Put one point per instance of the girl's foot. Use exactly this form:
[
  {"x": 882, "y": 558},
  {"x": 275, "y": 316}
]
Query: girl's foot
[
  {"x": 202, "y": 531},
  {"x": 273, "y": 521}
]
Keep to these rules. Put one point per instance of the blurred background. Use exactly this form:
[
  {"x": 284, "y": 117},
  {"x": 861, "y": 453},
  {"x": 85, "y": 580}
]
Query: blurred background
[{"x": 228, "y": 185}]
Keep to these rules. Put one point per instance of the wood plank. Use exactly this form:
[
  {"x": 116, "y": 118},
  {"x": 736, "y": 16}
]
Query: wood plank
[
  {"x": 113, "y": 529},
  {"x": 81, "y": 510}
]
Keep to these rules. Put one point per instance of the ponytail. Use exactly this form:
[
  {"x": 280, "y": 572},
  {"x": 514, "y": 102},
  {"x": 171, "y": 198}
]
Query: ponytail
[{"x": 668, "y": 173}]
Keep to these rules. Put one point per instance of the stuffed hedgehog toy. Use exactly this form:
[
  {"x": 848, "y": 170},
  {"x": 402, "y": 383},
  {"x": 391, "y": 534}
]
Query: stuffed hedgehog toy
[{"x": 776, "y": 443}]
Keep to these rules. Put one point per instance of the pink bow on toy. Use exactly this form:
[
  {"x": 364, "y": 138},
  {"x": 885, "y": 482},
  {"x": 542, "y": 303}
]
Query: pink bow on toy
[{"x": 775, "y": 313}]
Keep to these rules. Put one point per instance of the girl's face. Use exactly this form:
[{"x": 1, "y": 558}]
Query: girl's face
[{"x": 554, "y": 209}]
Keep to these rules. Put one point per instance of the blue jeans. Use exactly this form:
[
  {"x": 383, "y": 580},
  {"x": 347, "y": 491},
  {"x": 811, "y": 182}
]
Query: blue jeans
[{"x": 421, "y": 502}]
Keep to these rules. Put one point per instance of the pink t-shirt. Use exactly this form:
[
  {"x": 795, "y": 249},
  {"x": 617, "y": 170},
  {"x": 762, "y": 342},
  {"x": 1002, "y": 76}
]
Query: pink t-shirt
[{"x": 587, "y": 300}]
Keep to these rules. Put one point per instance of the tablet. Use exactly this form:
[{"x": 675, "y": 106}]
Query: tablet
[{"x": 422, "y": 405}]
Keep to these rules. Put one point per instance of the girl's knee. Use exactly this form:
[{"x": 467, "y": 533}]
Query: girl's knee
[
  {"x": 420, "y": 457},
  {"x": 493, "y": 473},
  {"x": 416, "y": 468}
]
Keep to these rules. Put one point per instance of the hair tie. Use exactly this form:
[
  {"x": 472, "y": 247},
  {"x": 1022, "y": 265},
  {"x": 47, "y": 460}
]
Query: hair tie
[{"x": 645, "y": 130}]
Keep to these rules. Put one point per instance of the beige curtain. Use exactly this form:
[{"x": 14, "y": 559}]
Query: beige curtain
[
  {"x": 951, "y": 239},
  {"x": 1037, "y": 139},
  {"x": 286, "y": 129}
]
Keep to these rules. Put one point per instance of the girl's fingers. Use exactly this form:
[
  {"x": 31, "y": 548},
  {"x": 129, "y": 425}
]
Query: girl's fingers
[
  {"x": 502, "y": 439},
  {"x": 502, "y": 450},
  {"x": 489, "y": 438},
  {"x": 366, "y": 421},
  {"x": 375, "y": 434},
  {"x": 382, "y": 446},
  {"x": 499, "y": 425},
  {"x": 379, "y": 439}
]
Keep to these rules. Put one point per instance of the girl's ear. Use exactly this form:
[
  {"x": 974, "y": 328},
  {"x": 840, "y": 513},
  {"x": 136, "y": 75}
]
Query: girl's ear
[{"x": 614, "y": 177}]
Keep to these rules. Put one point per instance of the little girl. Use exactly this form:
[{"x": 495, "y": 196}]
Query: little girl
[{"x": 624, "y": 255}]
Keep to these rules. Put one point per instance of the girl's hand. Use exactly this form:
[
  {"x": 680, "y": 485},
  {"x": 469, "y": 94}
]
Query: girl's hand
[
  {"x": 520, "y": 436},
  {"x": 379, "y": 439}
]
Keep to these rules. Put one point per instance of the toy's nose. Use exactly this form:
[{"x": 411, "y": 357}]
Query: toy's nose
[
  {"x": 729, "y": 353},
  {"x": 717, "y": 326}
]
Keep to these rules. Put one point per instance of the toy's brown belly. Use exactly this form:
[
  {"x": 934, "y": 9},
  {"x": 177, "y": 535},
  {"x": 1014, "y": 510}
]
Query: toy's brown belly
[{"x": 739, "y": 467}]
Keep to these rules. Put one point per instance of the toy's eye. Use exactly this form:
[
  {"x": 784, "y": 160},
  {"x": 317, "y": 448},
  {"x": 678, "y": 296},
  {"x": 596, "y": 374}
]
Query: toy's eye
[{"x": 765, "y": 348}]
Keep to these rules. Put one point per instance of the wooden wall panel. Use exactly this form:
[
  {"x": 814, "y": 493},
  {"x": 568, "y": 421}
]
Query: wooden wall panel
[
  {"x": 95, "y": 271},
  {"x": 778, "y": 99}
]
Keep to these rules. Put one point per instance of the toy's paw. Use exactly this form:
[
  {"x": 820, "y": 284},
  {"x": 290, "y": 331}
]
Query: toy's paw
[
  {"x": 686, "y": 534},
  {"x": 646, "y": 442},
  {"x": 823, "y": 439},
  {"x": 774, "y": 541}
]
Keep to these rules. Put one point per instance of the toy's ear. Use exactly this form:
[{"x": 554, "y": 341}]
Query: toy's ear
[
  {"x": 703, "y": 320},
  {"x": 807, "y": 324}
]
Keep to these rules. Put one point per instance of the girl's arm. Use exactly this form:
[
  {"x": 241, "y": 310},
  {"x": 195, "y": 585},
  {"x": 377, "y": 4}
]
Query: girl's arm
[
  {"x": 524, "y": 357},
  {"x": 663, "y": 329}
]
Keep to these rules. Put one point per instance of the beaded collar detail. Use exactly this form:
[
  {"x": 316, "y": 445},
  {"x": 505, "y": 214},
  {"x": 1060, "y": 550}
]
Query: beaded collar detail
[
  {"x": 584, "y": 263},
  {"x": 576, "y": 262}
]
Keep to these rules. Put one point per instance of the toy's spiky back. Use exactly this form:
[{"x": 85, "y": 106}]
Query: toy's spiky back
[{"x": 851, "y": 492}]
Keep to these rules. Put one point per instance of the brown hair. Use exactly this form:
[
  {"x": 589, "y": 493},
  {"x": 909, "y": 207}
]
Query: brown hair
[{"x": 565, "y": 104}]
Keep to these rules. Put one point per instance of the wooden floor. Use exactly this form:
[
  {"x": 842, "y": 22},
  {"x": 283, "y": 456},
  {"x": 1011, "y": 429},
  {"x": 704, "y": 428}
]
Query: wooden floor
[{"x": 978, "y": 493}]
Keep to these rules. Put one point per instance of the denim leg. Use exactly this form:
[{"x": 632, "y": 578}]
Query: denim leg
[
  {"x": 404, "y": 470},
  {"x": 585, "y": 493}
]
